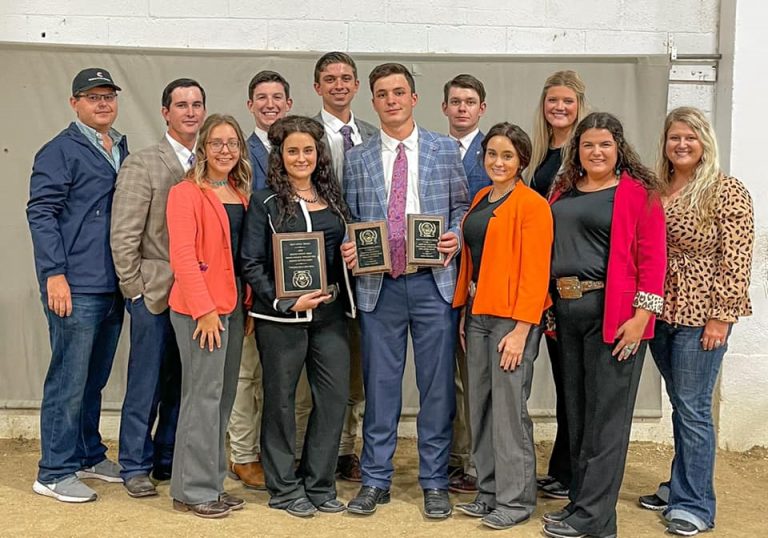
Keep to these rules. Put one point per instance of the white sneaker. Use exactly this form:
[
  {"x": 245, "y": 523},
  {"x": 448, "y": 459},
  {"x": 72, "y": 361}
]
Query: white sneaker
[
  {"x": 106, "y": 470},
  {"x": 68, "y": 490}
]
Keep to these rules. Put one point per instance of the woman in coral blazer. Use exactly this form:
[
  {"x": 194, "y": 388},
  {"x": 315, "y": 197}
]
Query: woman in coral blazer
[
  {"x": 205, "y": 215},
  {"x": 502, "y": 284},
  {"x": 608, "y": 262}
]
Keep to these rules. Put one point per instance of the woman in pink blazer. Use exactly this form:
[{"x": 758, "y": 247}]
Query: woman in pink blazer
[
  {"x": 206, "y": 211},
  {"x": 608, "y": 263}
]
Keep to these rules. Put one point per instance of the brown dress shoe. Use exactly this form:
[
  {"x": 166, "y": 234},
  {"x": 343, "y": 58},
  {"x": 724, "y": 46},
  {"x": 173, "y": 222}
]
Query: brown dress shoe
[
  {"x": 348, "y": 468},
  {"x": 234, "y": 503},
  {"x": 209, "y": 510},
  {"x": 250, "y": 474},
  {"x": 462, "y": 483}
]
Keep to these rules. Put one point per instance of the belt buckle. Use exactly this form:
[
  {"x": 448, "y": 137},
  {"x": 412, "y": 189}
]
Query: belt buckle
[
  {"x": 333, "y": 290},
  {"x": 569, "y": 287}
]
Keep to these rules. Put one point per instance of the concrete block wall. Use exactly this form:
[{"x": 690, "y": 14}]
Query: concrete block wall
[{"x": 429, "y": 26}]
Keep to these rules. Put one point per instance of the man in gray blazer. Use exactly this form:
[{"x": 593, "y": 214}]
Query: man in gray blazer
[
  {"x": 336, "y": 83},
  {"x": 405, "y": 169},
  {"x": 139, "y": 239}
]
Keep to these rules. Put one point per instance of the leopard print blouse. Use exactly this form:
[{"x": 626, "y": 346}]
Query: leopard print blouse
[{"x": 708, "y": 271}]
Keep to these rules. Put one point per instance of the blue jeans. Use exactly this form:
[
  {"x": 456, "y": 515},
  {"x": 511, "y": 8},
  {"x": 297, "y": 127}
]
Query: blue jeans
[
  {"x": 153, "y": 391},
  {"x": 82, "y": 349},
  {"x": 689, "y": 373}
]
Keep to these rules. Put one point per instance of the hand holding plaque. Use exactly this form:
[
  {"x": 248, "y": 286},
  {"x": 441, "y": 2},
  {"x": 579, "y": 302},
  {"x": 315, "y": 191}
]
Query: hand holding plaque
[
  {"x": 299, "y": 260},
  {"x": 424, "y": 233},
  {"x": 372, "y": 246}
]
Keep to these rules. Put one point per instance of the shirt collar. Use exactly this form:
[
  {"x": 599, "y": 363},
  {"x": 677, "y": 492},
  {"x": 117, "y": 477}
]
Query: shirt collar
[
  {"x": 466, "y": 140},
  {"x": 411, "y": 142},
  {"x": 178, "y": 147},
  {"x": 335, "y": 123},
  {"x": 93, "y": 134},
  {"x": 261, "y": 134}
]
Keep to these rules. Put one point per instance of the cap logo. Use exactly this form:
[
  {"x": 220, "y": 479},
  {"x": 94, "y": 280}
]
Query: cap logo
[{"x": 98, "y": 74}]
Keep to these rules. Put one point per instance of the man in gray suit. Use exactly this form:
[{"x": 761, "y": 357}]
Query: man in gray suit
[
  {"x": 336, "y": 83},
  {"x": 139, "y": 239}
]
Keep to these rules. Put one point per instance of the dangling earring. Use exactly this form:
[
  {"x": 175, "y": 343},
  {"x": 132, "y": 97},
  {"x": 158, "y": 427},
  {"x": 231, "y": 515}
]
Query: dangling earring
[
  {"x": 618, "y": 170},
  {"x": 581, "y": 171}
]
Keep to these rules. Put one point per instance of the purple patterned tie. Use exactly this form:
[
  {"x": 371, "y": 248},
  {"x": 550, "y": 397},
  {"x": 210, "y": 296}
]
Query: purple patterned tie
[
  {"x": 346, "y": 134},
  {"x": 396, "y": 212}
]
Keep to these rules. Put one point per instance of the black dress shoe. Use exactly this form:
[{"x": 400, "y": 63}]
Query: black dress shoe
[
  {"x": 652, "y": 502},
  {"x": 332, "y": 506},
  {"x": 301, "y": 507},
  {"x": 555, "y": 517},
  {"x": 366, "y": 500},
  {"x": 436, "y": 503},
  {"x": 560, "y": 529}
]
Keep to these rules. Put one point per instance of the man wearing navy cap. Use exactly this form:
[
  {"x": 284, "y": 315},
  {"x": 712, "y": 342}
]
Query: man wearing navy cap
[{"x": 69, "y": 213}]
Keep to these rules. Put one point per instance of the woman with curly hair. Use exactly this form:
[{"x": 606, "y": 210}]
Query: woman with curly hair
[
  {"x": 302, "y": 195},
  {"x": 710, "y": 234},
  {"x": 561, "y": 106},
  {"x": 205, "y": 217},
  {"x": 608, "y": 262}
]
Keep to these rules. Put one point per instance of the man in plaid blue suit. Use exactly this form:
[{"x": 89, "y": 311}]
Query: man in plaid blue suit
[{"x": 417, "y": 300}]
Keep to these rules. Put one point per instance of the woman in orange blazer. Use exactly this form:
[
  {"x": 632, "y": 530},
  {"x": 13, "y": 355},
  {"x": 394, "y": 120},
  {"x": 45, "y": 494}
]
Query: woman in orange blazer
[
  {"x": 205, "y": 212},
  {"x": 503, "y": 284}
]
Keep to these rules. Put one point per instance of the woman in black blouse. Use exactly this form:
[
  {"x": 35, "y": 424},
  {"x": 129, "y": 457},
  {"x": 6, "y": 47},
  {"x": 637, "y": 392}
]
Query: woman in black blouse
[
  {"x": 561, "y": 107},
  {"x": 302, "y": 195}
]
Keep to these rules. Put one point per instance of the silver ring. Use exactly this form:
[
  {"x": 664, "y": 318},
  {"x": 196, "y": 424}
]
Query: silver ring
[
  {"x": 630, "y": 346},
  {"x": 718, "y": 343}
]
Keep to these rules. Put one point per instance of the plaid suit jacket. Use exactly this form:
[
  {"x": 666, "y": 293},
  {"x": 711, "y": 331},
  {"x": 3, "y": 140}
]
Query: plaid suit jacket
[
  {"x": 442, "y": 191},
  {"x": 139, "y": 234}
]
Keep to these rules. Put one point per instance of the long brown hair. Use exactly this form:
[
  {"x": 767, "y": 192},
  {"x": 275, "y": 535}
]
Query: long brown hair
[
  {"x": 240, "y": 176},
  {"x": 627, "y": 158},
  {"x": 323, "y": 177}
]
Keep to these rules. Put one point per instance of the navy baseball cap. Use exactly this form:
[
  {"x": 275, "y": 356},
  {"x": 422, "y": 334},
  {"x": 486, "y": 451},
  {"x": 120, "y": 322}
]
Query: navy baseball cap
[{"x": 92, "y": 78}]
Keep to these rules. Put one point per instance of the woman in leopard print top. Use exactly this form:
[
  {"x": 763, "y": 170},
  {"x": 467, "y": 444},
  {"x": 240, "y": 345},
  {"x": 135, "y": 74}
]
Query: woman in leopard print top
[{"x": 710, "y": 233}]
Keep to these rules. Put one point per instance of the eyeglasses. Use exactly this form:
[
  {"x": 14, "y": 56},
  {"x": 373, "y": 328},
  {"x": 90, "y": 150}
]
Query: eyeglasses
[
  {"x": 96, "y": 97},
  {"x": 218, "y": 145}
]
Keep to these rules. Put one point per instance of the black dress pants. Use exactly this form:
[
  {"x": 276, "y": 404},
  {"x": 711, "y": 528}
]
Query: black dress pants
[
  {"x": 560, "y": 459},
  {"x": 285, "y": 348},
  {"x": 600, "y": 396}
]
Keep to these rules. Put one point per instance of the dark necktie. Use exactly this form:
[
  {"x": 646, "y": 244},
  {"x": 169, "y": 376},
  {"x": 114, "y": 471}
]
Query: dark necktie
[
  {"x": 346, "y": 134},
  {"x": 396, "y": 212}
]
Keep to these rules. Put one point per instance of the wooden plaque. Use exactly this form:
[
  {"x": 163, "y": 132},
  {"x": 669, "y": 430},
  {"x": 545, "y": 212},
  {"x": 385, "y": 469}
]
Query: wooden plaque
[
  {"x": 299, "y": 259},
  {"x": 424, "y": 233},
  {"x": 372, "y": 244}
]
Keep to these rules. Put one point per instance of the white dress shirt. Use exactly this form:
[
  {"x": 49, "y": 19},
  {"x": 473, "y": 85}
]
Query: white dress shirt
[
  {"x": 182, "y": 152},
  {"x": 465, "y": 141},
  {"x": 388, "y": 155},
  {"x": 261, "y": 134},
  {"x": 333, "y": 127}
]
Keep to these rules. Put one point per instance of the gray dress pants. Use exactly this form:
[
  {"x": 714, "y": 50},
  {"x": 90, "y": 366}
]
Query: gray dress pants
[
  {"x": 208, "y": 387},
  {"x": 502, "y": 432}
]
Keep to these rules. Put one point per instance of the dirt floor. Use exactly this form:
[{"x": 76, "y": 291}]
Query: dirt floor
[{"x": 741, "y": 479}]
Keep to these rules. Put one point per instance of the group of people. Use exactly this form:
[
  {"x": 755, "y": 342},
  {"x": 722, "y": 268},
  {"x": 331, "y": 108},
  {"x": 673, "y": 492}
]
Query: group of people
[{"x": 567, "y": 235}]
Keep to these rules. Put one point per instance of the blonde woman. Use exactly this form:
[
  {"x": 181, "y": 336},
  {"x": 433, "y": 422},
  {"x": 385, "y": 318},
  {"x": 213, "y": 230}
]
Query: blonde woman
[
  {"x": 561, "y": 107},
  {"x": 710, "y": 233},
  {"x": 205, "y": 213}
]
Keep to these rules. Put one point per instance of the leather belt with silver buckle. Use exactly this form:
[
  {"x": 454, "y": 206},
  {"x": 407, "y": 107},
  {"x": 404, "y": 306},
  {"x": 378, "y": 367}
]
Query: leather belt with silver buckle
[{"x": 570, "y": 287}]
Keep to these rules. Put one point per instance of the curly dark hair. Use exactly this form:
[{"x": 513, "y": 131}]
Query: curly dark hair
[
  {"x": 628, "y": 160},
  {"x": 323, "y": 177}
]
